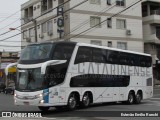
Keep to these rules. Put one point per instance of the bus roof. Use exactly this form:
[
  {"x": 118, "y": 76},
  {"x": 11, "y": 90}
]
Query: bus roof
[
  {"x": 91, "y": 45},
  {"x": 109, "y": 48}
]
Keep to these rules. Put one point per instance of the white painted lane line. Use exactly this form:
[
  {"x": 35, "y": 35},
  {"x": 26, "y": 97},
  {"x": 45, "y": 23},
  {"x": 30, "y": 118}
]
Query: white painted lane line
[
  {"x": 155, "y": 98},
  {"x": 47, "y": 118}
]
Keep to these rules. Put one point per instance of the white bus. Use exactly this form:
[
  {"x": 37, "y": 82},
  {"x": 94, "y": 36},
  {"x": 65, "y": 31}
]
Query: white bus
[{"x": 56, "y": 74}]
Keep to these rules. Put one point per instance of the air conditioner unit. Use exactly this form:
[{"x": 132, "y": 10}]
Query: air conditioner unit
[
  {"x": 128, "y": 32},
  {"x": 41, "y": 35},
  {"x": 50, "y": 33},
  {"x": 28, "y": 39}
]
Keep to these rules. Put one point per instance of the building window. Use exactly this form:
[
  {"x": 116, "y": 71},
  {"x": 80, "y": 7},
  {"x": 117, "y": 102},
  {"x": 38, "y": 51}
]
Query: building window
[
  {"x": 121, "y": 24},
  {"x": 109, "y": 43},
  {"x": 31, "y": 32},
  {"x": 109, "y": 22},
  {"x": 24, "y": 34},
  {"x": 44, "y": 28},
  {"x": 109, "y": 2},
  {"x": 47, "y": 27},
  {"x": 94, "y": 42},
  {"x": 28, "y": 14},
  {"x": 60, "y": 2},
  {"x": 122, "y": 45},
  {"x": 95, "y": 21},
  {"x": 46, "y": 5},
  {"x": 95, "y": 2},
  {"x": 120, "y": 2}
]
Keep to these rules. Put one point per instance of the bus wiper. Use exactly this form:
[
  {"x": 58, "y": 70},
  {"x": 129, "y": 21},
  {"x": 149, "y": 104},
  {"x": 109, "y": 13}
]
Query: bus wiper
[{"x": 43, "y": 50}]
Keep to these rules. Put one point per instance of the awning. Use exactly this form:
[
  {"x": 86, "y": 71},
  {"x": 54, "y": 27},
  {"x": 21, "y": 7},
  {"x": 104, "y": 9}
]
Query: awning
[{"x": 12, "y": 70}]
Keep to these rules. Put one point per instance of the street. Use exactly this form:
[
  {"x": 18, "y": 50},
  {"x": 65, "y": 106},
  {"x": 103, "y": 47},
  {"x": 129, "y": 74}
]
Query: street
[{"x": 152, "y": 104}]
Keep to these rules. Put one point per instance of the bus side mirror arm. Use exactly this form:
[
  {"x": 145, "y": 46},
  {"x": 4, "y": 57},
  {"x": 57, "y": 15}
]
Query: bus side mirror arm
[
  {"x": 9, "y": 66},
  {"x": 51, "y": 62}
]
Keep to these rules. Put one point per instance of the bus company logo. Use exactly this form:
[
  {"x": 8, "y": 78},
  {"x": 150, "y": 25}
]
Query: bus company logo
[{"x": 6, "y": 114}]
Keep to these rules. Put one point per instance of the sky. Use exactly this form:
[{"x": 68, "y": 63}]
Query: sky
[{"x": 8, "y": 8}]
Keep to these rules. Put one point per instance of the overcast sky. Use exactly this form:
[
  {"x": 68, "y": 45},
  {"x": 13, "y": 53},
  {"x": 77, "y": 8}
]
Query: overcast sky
[{"x": 7, "y": 8}]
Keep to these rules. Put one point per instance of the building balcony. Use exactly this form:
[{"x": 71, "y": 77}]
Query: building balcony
[
  {"x": 154, "y": 18},
  {"x": 152, "y": 39}
]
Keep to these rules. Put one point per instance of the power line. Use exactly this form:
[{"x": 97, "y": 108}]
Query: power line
[
  {"x": 87, "y": 21},
  {"x": 104, "y": 20},
  {"x": 9, "y": 46},
  {"x": 49, "y": 19},
  {"x": 37, "y": 17},
  {"x": 10, "y": 24},
  {"x": 9, "y": 16}
]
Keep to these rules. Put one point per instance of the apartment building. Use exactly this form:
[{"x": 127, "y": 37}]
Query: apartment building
[
  {"x": 122, "y": 31},
  {"x": 151, "y": 32}
]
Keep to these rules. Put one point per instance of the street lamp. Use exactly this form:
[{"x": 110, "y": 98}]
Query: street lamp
[
  {"x": 27, "y": 40},
  {"x": 11, "y": 29}
]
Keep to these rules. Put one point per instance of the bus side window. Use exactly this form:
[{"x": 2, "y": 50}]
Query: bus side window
[
  {"x": 112, "y": 57},
  {"x": 84, "y": 54},
  {"x": 57, "y": 55},
  {"x": 148, "y": 62},
  {"x": 98, "y": 55}
]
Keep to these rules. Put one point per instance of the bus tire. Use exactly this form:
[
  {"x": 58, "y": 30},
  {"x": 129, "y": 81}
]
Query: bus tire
[
  {"x": 72, "y": 102},
  {"x": 138, "y": 97},
  {"x": 86, "y": 100},
  {"x": 44, "y": 109},
  {"x": 131, "y": 98}
]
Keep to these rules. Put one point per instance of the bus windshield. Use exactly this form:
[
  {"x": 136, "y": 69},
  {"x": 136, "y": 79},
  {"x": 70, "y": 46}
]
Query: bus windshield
[
  {"x": 30, "y": 79},
  {"x": 36, "y": 52}
]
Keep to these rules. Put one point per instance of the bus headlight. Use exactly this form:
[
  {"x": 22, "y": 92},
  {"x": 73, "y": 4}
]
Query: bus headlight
[
  {"x": 39, "y": 96},
  {"x": 41, "y": 101},
  {"x": 15, "y": 95}
]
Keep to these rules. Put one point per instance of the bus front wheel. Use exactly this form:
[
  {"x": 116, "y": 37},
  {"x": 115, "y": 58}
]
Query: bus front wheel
[{"x": 44, "y": 109}]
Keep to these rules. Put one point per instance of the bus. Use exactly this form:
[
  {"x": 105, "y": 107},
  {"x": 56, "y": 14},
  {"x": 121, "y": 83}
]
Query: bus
[{"x": 58, "y": 74}]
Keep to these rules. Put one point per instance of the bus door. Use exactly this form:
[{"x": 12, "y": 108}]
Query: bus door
[
  {"x": 53, "y": 96},
  {"x": 98, "y": 94}
]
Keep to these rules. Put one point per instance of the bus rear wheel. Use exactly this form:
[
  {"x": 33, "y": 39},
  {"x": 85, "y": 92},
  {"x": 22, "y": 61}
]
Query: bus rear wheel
[
  {"x": 72, "y": 102},
  {"x": 44, "y": 109},
  {"x": 131, "y": 98},
  {"x": 138, "y": 98},
  {"x": 85, "y": 100}
]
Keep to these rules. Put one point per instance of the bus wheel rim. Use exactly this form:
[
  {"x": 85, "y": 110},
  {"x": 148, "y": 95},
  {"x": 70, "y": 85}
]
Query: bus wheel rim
[
  {"x": 130, "y": 98},
  {"x": 86, "y": 100},
  {"x": 72, "y": 102},
  {"x": 138, "y": 97}
]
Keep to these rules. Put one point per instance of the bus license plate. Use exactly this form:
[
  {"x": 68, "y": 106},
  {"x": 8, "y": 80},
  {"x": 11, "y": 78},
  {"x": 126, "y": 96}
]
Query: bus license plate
[{"x": 26, "y": 103}]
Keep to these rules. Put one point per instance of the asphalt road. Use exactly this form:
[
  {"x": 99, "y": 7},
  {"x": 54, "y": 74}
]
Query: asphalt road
[{"x": 152, "y": 104}]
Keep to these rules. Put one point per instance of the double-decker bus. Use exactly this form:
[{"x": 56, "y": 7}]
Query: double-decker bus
[{"x": 56, "y": 74}]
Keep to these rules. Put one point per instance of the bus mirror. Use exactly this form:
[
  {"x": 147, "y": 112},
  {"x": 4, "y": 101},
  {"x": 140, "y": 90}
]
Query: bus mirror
[
  {"x": 51, "y": 62},
  {"x": 9, "y": 66}
]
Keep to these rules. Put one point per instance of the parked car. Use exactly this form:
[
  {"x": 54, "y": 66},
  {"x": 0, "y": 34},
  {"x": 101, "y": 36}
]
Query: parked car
[
  {"x": 2, "y": 87},
  {"x": 9, "y": 90}
]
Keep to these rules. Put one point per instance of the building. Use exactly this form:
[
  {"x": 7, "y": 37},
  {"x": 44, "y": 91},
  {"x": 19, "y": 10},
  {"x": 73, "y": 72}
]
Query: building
[
  {"x": 122, "y": 31},
  {"x": 151, "y": 32},
  {"x": 7, "y": 58}
]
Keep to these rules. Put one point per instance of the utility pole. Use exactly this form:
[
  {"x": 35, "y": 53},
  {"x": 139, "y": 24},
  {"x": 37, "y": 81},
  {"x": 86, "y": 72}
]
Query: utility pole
[
  {"x": 35, "y": 27},
  {"x": 0, "y": 59}
]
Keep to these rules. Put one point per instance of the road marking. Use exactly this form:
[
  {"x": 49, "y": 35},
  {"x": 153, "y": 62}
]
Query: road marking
[
  {"x": 48, "y": 118},
  {"x": 155, "y": 98},
  {"x": 156, "y": 95}
]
